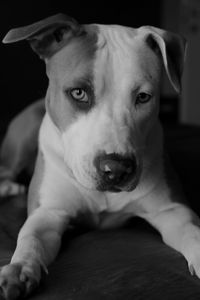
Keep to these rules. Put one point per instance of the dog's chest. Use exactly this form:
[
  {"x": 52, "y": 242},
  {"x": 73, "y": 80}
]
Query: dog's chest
[
  {"x": 106, "y": 211},
  {"x": 103, "y": 220}
]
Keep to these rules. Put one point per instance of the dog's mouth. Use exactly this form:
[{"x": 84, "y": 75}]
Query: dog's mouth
[
  {"x": 113, "y": 173},
  {"x": 117, "y": 173}
]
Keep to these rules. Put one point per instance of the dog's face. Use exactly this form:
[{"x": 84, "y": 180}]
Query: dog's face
[
  {"x": 104, "y": 98},
  {"x": 103, "y": 95}
]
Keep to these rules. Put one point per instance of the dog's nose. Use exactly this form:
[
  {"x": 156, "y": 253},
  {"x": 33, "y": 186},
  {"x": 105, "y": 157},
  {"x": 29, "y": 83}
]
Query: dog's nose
[{"x": 114, "y": 171}]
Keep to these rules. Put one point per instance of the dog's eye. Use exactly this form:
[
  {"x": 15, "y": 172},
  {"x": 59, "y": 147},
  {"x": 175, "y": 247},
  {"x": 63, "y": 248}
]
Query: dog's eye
[
  {"x": 82, "y": 98},
  {"x": 143, "y": 98},
  {"x": 79, "y": 94}
]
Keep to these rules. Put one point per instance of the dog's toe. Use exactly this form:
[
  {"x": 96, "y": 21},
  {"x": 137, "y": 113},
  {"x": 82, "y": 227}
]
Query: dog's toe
[
  {"x": 194, "y": 269},
  {"x": 193, "y": 259},
  {"x": 18, "y": 280},
  {"x": 191, "y": 269},
  {"x": 10, "y": 188},
  {"x": 11, "y": 292}
]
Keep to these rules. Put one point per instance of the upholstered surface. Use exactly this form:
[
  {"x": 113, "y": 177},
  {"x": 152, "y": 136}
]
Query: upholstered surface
[{"x": 128, "y": 263}]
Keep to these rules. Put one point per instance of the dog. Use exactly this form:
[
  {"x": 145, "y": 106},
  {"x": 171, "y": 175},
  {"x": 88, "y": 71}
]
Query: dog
[{"x": 100, "y": 142}]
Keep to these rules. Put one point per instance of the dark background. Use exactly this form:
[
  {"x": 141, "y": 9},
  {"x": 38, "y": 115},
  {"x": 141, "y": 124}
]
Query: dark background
[
  {"x": 99, "y": 256},
  {"x": 22, "y": 77}
]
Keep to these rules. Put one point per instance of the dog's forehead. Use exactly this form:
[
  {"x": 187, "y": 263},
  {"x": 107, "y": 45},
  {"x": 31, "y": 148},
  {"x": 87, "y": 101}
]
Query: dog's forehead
[
  {"x": 115, "y": 35},
  {"x": 100, "y": 47},
  {"x": 123, "y": 55}
]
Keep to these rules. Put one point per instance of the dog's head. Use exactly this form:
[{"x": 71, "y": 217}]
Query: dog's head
[{"x": 103, "y": 94}]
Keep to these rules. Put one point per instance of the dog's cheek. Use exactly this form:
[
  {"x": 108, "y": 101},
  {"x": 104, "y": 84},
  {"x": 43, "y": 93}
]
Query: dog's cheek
[
  {"x": 78, "y": 155},
  {"x": 146, "y": 118}
]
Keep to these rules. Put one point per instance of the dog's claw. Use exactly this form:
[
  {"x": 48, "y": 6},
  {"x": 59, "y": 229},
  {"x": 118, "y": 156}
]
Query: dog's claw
[
  {"x": 11, "y": 293},
  {"x": 10, "y": 188},
  {"x": 192, "y": 270},
  {"x": 16, "y": 281}
]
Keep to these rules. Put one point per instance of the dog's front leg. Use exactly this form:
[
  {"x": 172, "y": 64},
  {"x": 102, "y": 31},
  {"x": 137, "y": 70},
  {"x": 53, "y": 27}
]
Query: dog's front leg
[
  {"x": 38, "y": 243},
  {"x": 179, "y": 227}
]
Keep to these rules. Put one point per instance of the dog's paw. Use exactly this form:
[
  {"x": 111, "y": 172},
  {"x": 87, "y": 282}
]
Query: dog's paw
[
  {"x": 194, "y": 267},
  {"x": 193, "y": 258},
  {"x": 10, "y": 188},
  {"x": 18, "y": 280}
]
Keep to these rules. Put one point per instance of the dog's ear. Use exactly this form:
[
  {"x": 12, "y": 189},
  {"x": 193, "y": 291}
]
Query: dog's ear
[
  {"x": 47, "y": 36},
  {"x": 172, "y": 48}
]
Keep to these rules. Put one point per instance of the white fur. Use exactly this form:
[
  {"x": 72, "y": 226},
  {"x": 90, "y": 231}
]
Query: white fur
[{"x": 124, "y": 66}]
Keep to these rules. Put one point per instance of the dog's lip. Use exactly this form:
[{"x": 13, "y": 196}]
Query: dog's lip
[
  {"x": 130, "y": 186},
  {"x": 117, "y": 189},
  {"x": 112, "y": 189}
]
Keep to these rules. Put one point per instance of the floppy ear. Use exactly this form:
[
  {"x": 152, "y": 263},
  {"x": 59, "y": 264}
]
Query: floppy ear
[
  {"x": 172, "y": 48},
  {"x": 47, "y": 36}
]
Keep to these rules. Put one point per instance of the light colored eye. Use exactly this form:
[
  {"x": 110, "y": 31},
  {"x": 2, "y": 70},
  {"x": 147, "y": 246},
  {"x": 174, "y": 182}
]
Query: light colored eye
[
  {"x": 79, "y": 94},
  {"x": 143, "y": 98}
]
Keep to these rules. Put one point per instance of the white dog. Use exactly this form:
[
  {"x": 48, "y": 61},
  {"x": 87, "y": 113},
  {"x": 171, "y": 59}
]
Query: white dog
[{"x": 100, "y": 141}]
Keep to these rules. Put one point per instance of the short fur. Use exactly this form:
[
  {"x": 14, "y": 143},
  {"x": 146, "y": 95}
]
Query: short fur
[{"x": 113, "y": 65}]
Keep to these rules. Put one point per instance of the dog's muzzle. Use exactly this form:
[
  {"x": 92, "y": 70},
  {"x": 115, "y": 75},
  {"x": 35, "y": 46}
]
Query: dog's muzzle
[{"x": 115, "y": 172}]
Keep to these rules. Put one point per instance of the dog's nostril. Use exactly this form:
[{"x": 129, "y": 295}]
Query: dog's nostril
[
  {"x": 114, "y": 169},
  {"x": 108, "y": 171}
]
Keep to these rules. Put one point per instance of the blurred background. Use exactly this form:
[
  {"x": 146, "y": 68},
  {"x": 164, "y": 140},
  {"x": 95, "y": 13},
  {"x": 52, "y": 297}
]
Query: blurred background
[{"x": 23, "y": 79}]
